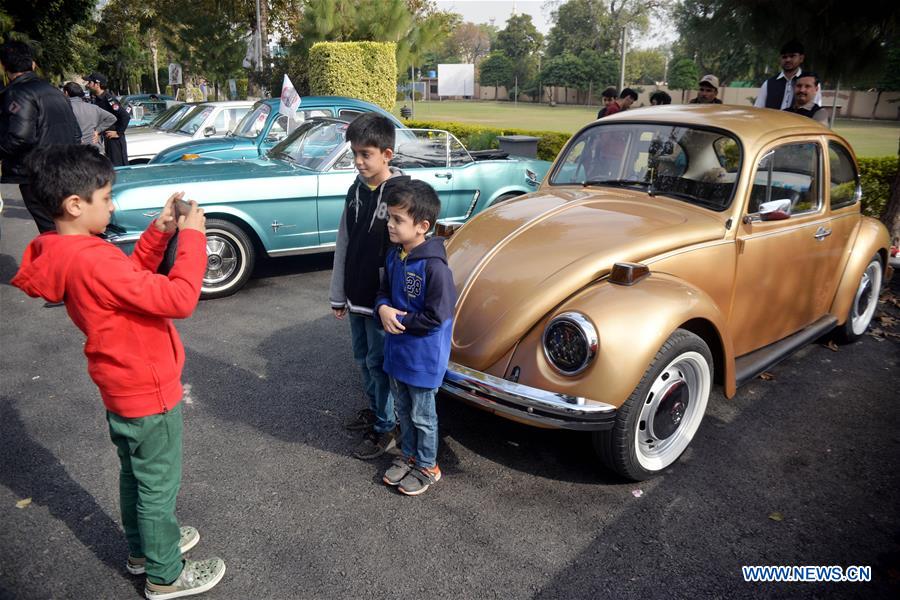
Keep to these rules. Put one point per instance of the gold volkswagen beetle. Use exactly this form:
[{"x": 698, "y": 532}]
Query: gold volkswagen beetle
[{"x": 668, "y": 249}]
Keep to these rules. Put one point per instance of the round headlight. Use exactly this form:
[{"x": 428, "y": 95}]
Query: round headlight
[{"x": 570, "y": 342}]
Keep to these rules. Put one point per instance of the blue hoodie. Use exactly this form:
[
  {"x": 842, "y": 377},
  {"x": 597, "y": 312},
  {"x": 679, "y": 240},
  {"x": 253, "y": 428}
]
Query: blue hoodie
[{"x": 422, "y": 287}]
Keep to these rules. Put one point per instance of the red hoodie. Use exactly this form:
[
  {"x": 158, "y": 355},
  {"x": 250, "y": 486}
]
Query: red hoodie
[{"x": 124, "y": 308}]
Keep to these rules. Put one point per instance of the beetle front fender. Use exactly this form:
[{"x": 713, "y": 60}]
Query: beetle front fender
[
  {"x": 632, "y": 322},
  {"x": 872, "y": 238}
]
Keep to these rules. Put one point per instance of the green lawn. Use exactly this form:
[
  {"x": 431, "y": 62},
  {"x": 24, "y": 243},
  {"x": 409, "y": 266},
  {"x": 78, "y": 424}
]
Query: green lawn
[{"x": 868, "y": 138}]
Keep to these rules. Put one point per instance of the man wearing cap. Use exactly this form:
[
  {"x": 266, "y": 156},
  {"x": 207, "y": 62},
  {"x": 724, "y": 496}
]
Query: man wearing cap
[
  {"x": 806, "y": 86},
  {"x": 708, "y": 90},
  {"x": 92, "y": 119},
  {"x": 32, "y": 113},
  {"x": 116, "y": 149},
  {"x": 778, "y": 92}
]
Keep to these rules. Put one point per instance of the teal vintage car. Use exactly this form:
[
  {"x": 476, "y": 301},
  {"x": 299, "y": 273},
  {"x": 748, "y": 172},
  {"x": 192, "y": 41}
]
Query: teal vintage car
[
  {"x": 263, "y": 127},
  {"x": 290, "y": 201}
]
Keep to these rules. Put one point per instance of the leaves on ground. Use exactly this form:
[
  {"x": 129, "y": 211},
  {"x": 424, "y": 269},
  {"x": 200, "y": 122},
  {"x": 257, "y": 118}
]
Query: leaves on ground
[
  {"x": 23, "y": 503},
  {"x": 831, "y": 346},
  {"x": 776, "y": 516},
  {"x": 766, "y": 376}
]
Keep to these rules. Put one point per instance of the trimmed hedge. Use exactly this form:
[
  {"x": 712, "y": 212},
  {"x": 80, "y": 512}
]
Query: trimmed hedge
[
  {"x": 482, "y": 137},
  {"x": 364, "y": 70},
  {"x": 876, "y": 174}
]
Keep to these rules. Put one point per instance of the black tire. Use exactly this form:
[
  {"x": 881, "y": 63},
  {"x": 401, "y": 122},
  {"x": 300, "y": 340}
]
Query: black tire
[
  {"x": 865, "y": 301},
  {"x": 230, "y": 256},
  {"x": 674, "y": 390},
  {"x": 505, "y": 197}
]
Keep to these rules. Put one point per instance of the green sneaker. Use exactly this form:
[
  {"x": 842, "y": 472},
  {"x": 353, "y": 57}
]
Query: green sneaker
[
  {"x": 136, "y": 565},
  {"x": 196, "y": 577}
]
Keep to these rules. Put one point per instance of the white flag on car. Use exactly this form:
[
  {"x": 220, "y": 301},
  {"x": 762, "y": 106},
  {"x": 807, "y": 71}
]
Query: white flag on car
[{"x": 290, "y": 102}]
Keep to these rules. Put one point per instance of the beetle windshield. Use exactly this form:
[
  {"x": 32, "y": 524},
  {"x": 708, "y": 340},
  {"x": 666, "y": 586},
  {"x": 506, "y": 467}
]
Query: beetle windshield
[
  {"x": 313, "y": 145},
  {"x": 695, "y": 165},
  {"x": 253, "y": 122}
]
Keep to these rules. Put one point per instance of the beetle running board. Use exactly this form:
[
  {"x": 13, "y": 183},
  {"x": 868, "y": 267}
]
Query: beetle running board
[{"x": 750, "y": 365}]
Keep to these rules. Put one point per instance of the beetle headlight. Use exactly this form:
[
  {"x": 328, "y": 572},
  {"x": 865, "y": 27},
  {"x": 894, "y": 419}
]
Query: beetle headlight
[{"x": 570, "y": 342}]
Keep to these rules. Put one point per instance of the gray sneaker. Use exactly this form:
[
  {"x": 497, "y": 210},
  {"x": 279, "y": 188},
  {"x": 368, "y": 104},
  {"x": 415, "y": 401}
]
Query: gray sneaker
[
  {"x": 398, "y": 470},
  {"x": 418, "y": 480},
  {"x": 196, "y": 577},
  {"x": 375, "y": 444},
  {"x": 364, "y": 419},
  {"x": 136, "y": 565}
]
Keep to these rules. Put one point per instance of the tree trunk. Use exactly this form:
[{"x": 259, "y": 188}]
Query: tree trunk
[
  {"x": 891, "y": 215},
  {"x": 877, "y": 99},
  {"x": 154, "y": 51}
]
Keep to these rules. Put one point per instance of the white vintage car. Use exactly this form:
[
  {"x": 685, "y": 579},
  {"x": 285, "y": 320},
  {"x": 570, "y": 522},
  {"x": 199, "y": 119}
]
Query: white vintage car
[{"x": 204, "y": 120}]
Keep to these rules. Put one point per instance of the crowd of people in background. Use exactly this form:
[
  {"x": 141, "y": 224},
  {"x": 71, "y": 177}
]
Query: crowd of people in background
[{"x": 791, "y": 90}]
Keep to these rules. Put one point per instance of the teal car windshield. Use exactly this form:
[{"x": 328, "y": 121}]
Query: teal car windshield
[
  {"x": 313, "y": 145},
  {"x": 253, "y": 122},
  {"x": 695, "y": 165}
]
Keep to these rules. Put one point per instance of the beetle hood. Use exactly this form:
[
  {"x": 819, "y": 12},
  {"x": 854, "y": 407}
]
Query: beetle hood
[{"x": 513, "y": 263}]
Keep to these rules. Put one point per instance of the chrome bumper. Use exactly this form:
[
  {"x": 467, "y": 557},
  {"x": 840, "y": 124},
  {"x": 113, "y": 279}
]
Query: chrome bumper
[{"x": 525, "y": 403}]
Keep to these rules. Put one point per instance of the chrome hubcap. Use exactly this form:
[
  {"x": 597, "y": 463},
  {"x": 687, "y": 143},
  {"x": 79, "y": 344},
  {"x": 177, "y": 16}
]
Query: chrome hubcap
[
  {"x": 672, "y": 411},
  {"x": 866, "y": 299},
  {"x": 221, "y": 259}
]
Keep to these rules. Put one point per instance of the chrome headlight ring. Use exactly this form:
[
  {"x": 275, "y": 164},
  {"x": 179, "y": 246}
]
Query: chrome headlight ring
[{"x": 570, "y": 342}]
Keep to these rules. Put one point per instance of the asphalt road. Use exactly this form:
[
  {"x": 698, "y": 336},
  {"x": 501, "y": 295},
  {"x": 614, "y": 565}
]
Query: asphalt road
[{"x": 797, "y": 470}]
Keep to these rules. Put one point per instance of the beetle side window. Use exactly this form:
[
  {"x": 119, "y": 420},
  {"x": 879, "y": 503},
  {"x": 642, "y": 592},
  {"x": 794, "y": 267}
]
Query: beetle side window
[
  {"x": 789, "y": 172},
  {"x": 844, "y": 178}
]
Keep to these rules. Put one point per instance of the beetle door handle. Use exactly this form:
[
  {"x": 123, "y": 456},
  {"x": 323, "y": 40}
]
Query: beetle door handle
[
  {"x": 444, "y": 175},
  {"x": 822, "y": 233}
]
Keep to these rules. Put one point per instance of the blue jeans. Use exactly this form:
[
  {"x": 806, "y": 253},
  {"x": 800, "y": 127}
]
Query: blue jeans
[
  {"x": 368, "y": 351},
  {"x": 418, "y": 422}
]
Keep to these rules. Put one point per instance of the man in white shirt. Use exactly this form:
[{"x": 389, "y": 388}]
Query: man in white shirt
[{"x": 778, "y": 92}]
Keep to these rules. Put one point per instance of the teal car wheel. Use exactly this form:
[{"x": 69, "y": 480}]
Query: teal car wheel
[{"x": 230, "y": 256}]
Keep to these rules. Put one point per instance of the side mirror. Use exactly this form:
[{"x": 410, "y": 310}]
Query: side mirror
[
  {"x": 775, "y": 210},
  {"x": 209, "y": 131}
]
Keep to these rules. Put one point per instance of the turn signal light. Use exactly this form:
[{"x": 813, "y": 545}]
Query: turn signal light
[
  {"x": 628, "y": 273},
  {"x": 190, "y": 156}
]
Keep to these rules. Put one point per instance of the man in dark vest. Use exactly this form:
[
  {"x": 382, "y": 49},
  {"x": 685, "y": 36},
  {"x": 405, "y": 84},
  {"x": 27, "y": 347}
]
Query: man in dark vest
[
  {"x": 116, "y": 150},
  {"x": 778, "y": 92},
  {"x": 806, "y": 86}
]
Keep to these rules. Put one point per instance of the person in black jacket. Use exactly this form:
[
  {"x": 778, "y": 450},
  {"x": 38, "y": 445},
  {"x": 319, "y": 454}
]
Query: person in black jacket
[
  {"x": 115, "y": 149},
  {"x": 33, "y": 113}
]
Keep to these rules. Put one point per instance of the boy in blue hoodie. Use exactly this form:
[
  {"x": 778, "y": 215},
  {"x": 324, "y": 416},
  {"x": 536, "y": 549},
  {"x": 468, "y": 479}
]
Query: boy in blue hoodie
[{"x": 415, "y": 305}]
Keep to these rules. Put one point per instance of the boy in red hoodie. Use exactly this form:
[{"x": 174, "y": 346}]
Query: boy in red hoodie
[{"x": 133, "y": 350}]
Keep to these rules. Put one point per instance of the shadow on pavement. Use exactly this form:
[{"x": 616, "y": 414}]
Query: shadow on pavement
[{"x": 30, "y": 470}]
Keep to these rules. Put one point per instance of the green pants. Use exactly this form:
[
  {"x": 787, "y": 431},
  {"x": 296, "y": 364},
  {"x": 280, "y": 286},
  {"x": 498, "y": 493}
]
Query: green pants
[{"x": 149, "y": 451}]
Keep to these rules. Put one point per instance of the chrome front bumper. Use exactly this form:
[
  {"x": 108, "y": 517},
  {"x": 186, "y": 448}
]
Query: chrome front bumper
[{"x": 525, "y": 403}]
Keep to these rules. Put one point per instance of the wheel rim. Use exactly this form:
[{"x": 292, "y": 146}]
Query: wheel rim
[
  {"x": 224, "y": 257},
  {"x": 672, "y": 411},
  {"x": 866, "y": 299}
]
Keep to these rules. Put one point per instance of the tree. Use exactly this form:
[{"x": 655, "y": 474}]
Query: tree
[
  {"x": 520, "y": 41},
  {"x": 50, "y": 27},
  {"x": 566, "y": 70},
  {"x": 469, "y": 42},
  {"x": 496, "y": 70},
  {"x": 683, "y": 75},
  {"x": 645, "y": 66}
]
